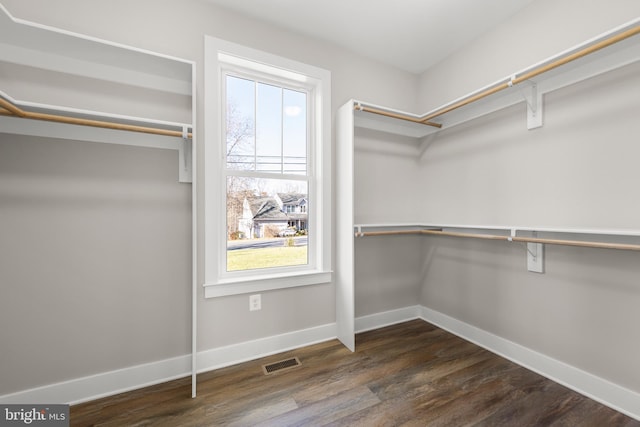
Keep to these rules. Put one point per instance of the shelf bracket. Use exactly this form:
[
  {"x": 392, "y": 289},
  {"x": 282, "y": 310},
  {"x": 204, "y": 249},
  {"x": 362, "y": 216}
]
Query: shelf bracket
[
  {"x": 534, "y": 106},
  {"x": 535, "y": 256},
  {"x": 185, "y": 174}
]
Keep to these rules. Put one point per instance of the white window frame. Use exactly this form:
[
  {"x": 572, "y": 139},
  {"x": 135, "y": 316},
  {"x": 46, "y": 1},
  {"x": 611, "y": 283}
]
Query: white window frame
[{"x": 221, "y": 55}]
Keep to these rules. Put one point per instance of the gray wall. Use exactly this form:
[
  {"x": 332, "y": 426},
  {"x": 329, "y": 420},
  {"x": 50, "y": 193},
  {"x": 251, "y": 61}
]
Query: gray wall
[
  {"x": 578, "y": 171},
  {"x": 94, "y": 259},
  {"x": 95, "y": 240}
]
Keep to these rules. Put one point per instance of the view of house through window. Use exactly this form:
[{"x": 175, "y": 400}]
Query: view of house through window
[{"x": 267, "y": 195}]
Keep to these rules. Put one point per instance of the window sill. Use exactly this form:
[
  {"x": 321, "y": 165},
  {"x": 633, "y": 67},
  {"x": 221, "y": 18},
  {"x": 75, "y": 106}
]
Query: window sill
[{"x": 265, "y": 283}]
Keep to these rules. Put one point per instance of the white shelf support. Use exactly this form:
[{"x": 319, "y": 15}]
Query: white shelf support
[
  {"x": 535, "y": 257},
  {"x": 534, "y": 106},
  {"x": 184, "y": 161},
  {"x": 185, "y": 174}
]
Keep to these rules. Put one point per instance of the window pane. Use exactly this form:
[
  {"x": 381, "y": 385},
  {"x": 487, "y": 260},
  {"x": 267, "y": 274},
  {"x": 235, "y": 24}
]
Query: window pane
[
  {"x": 240, "y": 123},
  {"x": 269, "y": 128},
  {"x": 294, "y": 139},
  {"x": 267, "y": 223}
]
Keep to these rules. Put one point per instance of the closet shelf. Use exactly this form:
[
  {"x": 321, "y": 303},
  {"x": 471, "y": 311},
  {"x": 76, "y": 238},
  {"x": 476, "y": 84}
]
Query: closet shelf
[
  {"x": 589, "y": 238},
  {"x": 40, "y": 46},
  {"x": 141, "y": 77},
  {"x": 609, "y": 51}
]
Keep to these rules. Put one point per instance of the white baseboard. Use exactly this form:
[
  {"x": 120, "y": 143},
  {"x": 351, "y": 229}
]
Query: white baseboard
[
  {"x": 387, "y": 318},
  {"x": 109, "y": 383},
  {"x": 104, "y": 384},
  {"x": 619, "y": 398},
  {"x": 250, "y": 350}
]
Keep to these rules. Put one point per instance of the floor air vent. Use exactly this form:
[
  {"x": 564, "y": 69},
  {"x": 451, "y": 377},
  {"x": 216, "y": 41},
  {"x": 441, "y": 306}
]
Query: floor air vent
[{"x": 280, "y": 366}]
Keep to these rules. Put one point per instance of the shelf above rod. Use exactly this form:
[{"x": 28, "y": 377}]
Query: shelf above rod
[
  {"x": 562, "y": 242},
  {"x": 8, "y": 108},
  {"x": 386, "y": 233}
]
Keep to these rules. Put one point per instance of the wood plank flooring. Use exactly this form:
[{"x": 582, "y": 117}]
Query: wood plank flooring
[{"x": 410, "y": 374}]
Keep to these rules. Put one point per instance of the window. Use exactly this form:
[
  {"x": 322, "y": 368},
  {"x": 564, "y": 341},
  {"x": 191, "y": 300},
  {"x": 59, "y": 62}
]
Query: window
[{"x": 267, "y": 171}]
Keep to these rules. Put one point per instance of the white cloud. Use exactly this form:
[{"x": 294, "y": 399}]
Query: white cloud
[{"x": 292, "y": 110}]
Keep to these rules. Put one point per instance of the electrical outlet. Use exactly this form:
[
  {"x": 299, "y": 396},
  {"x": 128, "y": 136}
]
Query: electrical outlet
[{"x": 255, "y": 302}]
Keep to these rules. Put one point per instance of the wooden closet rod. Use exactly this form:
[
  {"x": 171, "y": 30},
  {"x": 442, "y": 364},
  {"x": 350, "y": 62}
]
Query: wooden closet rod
[
  {"x": 466, "y": 235},
  {"x": 584, "y": 52},
  {"x": 579, "y": 243},
  {"x": 9, "y": 109},
  {"x": 360, "y": 107},
  {"x": 599, "y": 245},
  {"x": 536, "y": 72}
]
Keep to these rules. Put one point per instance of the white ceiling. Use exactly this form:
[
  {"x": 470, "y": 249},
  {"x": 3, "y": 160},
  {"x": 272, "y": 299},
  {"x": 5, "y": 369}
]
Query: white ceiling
[{"x": 409, "y": 34}]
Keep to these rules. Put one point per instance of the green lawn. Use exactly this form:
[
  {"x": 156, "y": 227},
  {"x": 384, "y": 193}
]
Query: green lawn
[{"x": 245, "y": 259}]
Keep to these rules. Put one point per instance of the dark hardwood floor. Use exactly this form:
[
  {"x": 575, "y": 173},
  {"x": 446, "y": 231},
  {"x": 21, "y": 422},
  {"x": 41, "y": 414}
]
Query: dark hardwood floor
[{"x": 410, "y": 374}]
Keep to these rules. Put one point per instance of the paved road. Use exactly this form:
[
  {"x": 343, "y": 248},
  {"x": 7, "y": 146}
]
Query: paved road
[{"x": 265, "y": 243}]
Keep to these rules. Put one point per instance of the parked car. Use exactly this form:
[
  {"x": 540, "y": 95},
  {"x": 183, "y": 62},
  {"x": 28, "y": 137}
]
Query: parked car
[{"x": 287, "y": 232}]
